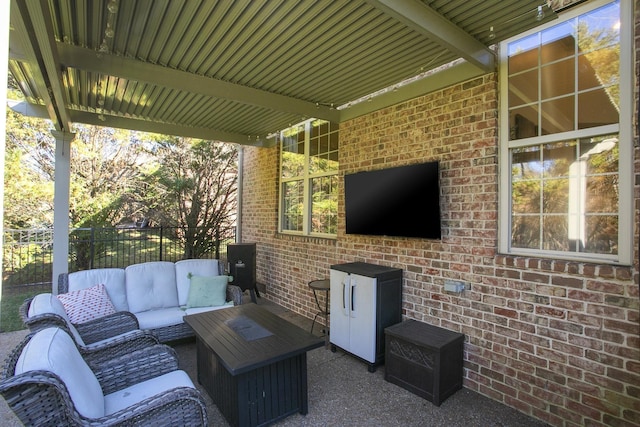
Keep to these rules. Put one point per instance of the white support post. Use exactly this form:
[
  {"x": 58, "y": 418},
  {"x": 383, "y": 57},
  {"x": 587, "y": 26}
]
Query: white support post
[
  {"x": 239, "y": 194},
  {"x": 61, "y": 205},
  {"x": 4, "y": 60}
]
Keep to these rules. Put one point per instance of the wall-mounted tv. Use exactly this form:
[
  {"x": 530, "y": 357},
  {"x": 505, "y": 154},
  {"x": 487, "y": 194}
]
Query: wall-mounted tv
[{"x": 401, "y": 201}]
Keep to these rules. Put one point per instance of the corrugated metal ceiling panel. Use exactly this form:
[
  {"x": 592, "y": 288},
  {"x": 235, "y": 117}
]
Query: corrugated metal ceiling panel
[{"x": 319, "y": 52}]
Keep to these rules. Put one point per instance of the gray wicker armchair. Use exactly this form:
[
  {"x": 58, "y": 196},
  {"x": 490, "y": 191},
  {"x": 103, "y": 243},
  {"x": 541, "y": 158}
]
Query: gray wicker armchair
[
  {"x": 46, "y": 382},
  {"x": 100, "y": 339}
]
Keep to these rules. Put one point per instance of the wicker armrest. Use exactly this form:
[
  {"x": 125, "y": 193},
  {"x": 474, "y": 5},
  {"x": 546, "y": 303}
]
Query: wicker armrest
[
  {"x": 39, "y": 398},
  {"x": 180, "y": 407},
  {"x": 107, "y": 326},
  {"x": 38, "y": 322},
  {"x": 63, "y": 283},
  {"x": 23, "y": 310},
  {"x": 118, "y": 346},
  {"x": 234, "y": 293},
  {"x": 137, "y": 366}
]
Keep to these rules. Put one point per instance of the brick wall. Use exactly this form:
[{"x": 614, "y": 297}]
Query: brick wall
[{"x": 557, "y": 340}]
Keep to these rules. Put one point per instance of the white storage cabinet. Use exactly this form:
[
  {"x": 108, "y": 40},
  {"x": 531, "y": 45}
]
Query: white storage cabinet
[{"x": 365, "y": 299}]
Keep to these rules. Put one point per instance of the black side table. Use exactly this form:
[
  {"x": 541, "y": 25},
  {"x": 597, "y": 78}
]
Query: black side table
[{"x": 323, "y": 285}]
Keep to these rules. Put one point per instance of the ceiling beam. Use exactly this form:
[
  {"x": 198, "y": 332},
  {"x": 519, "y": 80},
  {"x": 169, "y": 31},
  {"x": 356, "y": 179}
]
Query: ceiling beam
[
  {"x": 421, "y": 18},
  {"x": 32, "y": 29},
  {"x": 42, "y": 32},
  {"x": 132, "y": 69},
  {"x": 441, "y": 79},
  {"x": 33, "y": 110}
]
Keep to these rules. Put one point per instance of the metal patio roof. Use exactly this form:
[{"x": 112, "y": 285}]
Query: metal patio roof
[{"x": 238, "y": 71}]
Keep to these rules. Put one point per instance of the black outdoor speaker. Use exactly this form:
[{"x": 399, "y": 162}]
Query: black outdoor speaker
[{"x": 241, "y": 259}]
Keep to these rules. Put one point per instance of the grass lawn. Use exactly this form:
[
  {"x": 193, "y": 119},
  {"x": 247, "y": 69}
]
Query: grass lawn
[{"x": 9, "y": 317}]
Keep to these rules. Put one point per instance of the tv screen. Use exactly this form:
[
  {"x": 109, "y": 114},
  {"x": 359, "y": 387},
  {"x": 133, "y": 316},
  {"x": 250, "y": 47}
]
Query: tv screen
[{"x": 400, "y": 201}]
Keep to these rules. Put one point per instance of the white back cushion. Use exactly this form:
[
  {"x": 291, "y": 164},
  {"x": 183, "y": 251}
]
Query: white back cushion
[
  {"x": 49, "y": 303},
  {"x": 197, "y": 267},
  {"x": 111, "y": 278},
  {"x": 53, "y": 350},
  {"x": 151, "y": 285}
]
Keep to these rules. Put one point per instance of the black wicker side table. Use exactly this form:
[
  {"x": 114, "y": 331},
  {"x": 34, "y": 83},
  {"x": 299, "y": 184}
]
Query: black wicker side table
[{"x": 424, "y": 359}]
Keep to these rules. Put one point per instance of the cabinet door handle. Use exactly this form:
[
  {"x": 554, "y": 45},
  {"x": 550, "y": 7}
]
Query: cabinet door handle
[
  {"x": 353, "y": 305},
  {"x": 344, "y": 302}
]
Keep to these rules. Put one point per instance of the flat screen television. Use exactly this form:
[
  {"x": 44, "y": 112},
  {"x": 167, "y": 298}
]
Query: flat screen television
[{"x": 400, "y": 201}]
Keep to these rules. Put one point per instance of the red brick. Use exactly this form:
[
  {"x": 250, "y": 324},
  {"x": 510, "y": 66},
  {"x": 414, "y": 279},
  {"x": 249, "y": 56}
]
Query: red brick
[{"x": 528, "y": 321}]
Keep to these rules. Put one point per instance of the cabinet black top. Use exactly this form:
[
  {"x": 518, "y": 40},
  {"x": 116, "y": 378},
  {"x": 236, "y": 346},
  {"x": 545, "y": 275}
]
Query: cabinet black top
[
  {"x": 365, "y": 269},
  {"x": 424, "y": 334}
]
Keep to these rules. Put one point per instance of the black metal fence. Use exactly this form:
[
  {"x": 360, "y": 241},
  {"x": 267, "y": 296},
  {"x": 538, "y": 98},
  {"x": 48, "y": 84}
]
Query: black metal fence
[{"x": 28, "y": 254}]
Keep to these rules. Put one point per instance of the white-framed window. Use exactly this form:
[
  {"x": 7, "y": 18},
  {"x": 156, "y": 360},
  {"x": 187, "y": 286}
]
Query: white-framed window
[
  {"x": 309, "y": 179},
  {"x": 566, "y": 143}
]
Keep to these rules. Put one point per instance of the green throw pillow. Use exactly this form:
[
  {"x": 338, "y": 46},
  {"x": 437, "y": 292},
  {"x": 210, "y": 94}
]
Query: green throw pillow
[{"x": 207, "y": 291}]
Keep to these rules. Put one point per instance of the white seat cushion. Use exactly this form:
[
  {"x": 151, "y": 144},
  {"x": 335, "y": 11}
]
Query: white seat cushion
[
  {"x": 126, "y": 397},
  {"x": 160, "y": 318},
  {"x": 197, "y": 267},
  {"x": 111, "y": 278},
  {"x": 49, "y": 303},
  {"x": 150, "y": 286},
  {"x": 53, "y": 350}
]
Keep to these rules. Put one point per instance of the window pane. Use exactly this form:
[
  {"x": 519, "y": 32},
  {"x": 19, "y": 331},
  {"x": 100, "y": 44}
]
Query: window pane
[
  {"x": 599, "y": 68},
  {"x": 602, "y": 197},
  {"x": 558, "y": 42},
  {"x": 601, "y": 160},
  {"x": 555, "y": 196},
  {"x": 523, "y": 54},
  {"x": 526, "y": 197},
  {"x": 558, "y": 115},
  {"x": 324, "y": 217},
  {"x": 555, "y": 235},
  {"x": 557, "y": 79},
  {"x": 293, "y": 152},
  {"x": 523, "y": 88},
  {"x": 600, "y": 27},
  {"x": 293, "y": 205},
  {"x": 526, "y": 163},
  {"x": 525, "y": 232},
  {"x": 596, "y": 108},
  {"x": 523, "y": 122},
  {"x": 602, "y": 234},
  {"x": 558, "y": 158},
  {"x": 526, "y": 172}
]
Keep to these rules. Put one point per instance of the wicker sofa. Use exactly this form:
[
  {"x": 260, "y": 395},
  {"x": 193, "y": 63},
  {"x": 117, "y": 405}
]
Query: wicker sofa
[
  {"x": 100, "y": 339},
  {"x": 156, "y": 293}
]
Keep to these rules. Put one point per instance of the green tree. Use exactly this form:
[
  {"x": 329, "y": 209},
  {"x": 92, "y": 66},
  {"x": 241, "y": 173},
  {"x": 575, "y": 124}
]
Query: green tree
[
  {"x": 193, "y": 187},
  {"x": 105, "y": 175},
  {"x": 28, "y": 178}
]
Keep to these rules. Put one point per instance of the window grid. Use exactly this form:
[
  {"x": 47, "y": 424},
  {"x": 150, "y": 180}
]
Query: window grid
[
  {"x": 568, "y": 189},
  {"x": 309, "y": 157}
]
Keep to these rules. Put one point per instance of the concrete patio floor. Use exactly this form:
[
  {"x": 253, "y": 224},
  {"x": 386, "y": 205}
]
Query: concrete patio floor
[{"x": 343, "y": 393}]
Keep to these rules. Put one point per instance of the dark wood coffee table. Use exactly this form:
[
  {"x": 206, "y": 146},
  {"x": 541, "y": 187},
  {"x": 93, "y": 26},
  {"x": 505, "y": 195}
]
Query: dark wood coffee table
[{"x": 252, "y": 363}]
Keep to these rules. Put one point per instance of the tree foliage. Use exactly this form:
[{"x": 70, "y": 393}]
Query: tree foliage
[
  {"x": 105, "y": 171},
  {"x": 194, "y": 187},
  {"x": 120, "y": 176},
  {"x": 28, "y": 175}
]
